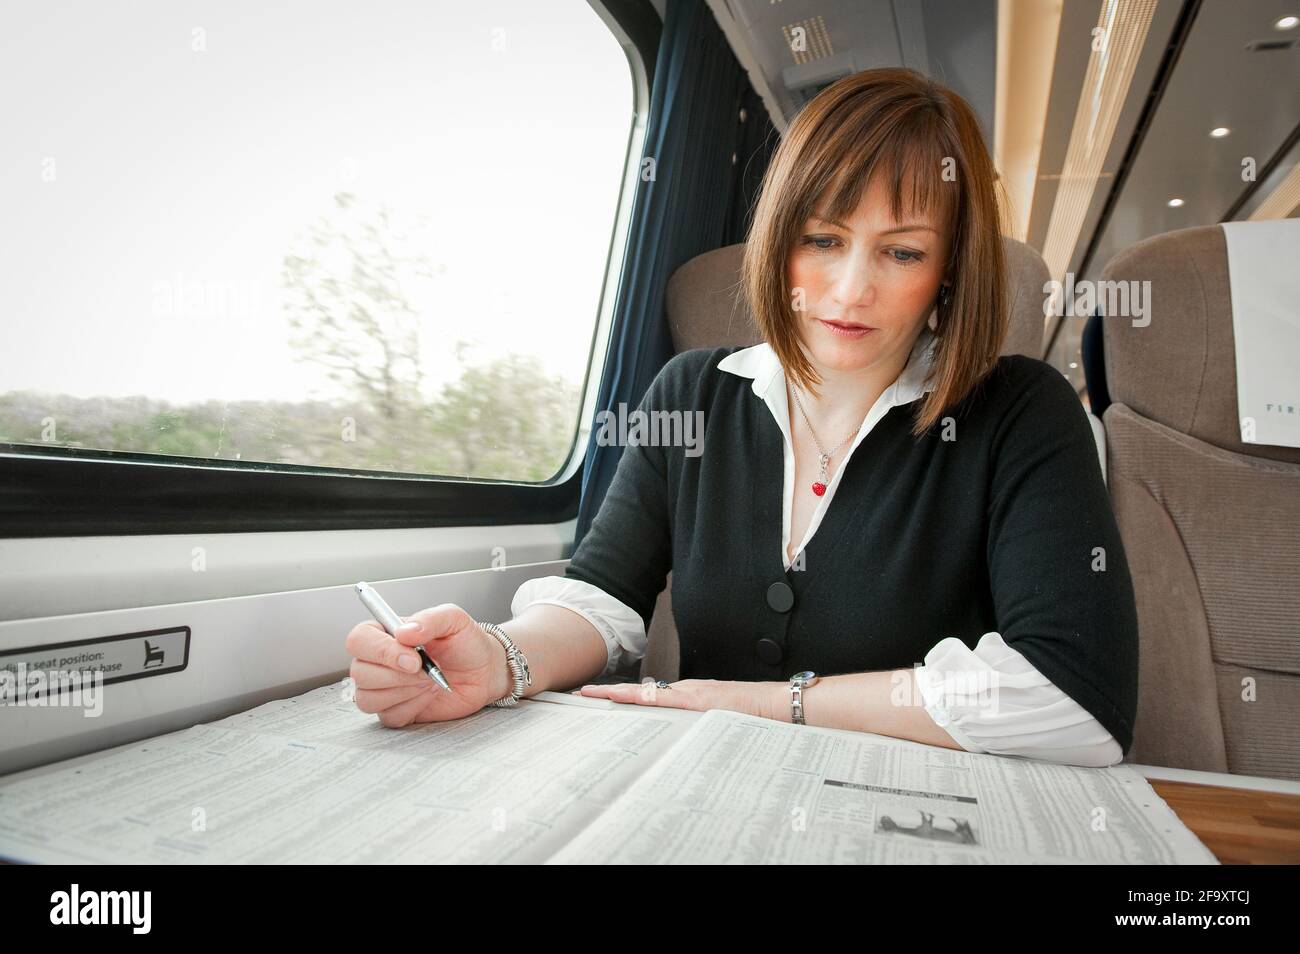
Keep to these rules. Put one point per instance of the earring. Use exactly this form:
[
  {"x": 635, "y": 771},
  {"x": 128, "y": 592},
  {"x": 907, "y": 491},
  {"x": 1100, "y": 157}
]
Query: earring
[{"x": 945, "y": 295}]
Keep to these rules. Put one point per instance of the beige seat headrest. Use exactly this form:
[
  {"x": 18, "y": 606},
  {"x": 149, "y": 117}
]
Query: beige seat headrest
[
  {"x": 1178, "y": 365},
  {"x": 706, "y": 308}
]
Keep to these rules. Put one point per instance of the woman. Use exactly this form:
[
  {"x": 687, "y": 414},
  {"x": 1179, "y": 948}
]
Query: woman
[{"x": 935, "y": 500}]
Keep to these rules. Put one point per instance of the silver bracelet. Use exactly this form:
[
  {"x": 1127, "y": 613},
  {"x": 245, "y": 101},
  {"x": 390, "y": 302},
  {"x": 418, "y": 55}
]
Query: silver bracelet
[{"x": 516, "y": 660}]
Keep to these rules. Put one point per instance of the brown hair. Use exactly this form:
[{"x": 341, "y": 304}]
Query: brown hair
[{"x": 898, "y": 122}]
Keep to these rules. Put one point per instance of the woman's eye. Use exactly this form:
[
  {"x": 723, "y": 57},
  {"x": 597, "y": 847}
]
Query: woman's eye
[
  {"x": 909, "y": 257},
  {"x": 816, "y": 240}
]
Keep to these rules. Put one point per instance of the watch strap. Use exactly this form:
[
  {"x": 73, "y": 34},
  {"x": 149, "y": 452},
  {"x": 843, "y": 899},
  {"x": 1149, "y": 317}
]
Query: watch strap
[{"x": 797, "y": 685}]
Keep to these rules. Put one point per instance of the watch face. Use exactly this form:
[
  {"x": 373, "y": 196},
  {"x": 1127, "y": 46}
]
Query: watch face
[{"x": 804, "y": 676}]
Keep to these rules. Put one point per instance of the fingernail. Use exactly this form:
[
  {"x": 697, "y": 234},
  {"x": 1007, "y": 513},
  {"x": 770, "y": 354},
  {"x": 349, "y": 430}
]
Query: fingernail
[
  {"x": 585, "y": 688},
  {"x": 408, "y": 662},
  {"x": 411, "y": 626}
]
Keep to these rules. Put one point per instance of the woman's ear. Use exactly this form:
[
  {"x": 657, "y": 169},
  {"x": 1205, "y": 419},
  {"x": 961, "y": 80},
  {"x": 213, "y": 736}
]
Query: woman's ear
[{"x": 941, "y": 301}]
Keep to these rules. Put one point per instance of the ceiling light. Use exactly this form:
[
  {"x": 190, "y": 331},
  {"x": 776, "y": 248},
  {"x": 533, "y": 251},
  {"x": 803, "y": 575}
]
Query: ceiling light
[
  {"x": 1028, "y": 35},
  {"x": 1105, "y": 90},
  {"x": 1175, "y": 203},
  {"x": 1286, "y": 23},
  {"x": 1218, "y": 132}
]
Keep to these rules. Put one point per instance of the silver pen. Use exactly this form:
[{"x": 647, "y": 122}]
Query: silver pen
[{"x": 390, "y": 621}]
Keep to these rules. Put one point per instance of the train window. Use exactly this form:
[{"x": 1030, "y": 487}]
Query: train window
[{"x": 340, "y": 236}]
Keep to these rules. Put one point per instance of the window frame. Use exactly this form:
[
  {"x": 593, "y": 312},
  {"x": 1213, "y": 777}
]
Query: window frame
[{"x": 60, "y": 491}]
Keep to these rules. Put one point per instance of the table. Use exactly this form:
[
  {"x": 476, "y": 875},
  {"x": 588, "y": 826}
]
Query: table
[
  {"x": 1241, "y": 826},
  {"x": 1242, "y": 819}
]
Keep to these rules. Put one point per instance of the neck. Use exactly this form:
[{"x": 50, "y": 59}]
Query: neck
[{"x": 845, "y": 398}]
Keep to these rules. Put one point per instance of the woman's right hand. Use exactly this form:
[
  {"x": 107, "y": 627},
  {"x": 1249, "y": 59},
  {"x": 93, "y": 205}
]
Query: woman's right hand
[{"x": 390, "y": 682}]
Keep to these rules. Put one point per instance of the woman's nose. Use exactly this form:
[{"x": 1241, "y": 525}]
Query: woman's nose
[{"x": 853, "y": 283}]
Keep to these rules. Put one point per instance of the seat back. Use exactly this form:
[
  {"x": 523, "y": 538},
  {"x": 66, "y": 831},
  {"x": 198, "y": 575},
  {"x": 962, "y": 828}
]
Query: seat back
[
  {"x": 706, "y": 309},
  {"x": 1208, "y": 522}
]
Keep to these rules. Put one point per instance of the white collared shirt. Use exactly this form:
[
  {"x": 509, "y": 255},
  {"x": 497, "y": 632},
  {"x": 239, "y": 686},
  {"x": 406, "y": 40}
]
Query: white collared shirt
[
  {"x": 761, "y": 363},
  {"x": 1032, "y": 718}
]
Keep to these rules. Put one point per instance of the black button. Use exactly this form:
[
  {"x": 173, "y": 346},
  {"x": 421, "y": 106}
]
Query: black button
[
  {"x": 780, "y": 597},
  {"x": 769, "y": 650}
]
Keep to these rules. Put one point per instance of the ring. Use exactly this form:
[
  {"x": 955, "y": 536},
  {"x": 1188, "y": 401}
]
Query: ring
[{"x": 663, "y": 685}]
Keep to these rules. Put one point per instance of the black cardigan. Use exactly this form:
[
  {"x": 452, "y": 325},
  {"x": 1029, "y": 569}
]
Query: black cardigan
[{"x": 1005, "y": 528}]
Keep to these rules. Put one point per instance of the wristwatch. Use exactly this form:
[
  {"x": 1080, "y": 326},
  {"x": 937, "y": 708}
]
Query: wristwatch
[
  {"x": 798, "y": 683},
  {"x": 517, "y": 662}
]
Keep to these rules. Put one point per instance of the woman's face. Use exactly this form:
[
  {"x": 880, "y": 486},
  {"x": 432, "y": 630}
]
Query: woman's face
[{"x": 868, "y": 285}]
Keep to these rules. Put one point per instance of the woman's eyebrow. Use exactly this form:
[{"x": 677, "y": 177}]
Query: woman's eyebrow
[
  {"x": 918, "y": 227},
  {"x": 915, "y": 227},
  {"x": 837, "y": 224}
]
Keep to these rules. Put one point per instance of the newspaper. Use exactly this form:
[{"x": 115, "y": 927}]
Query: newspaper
[
  {"x": 740, "y": 789},
  {"x": 314, "y": 780}
]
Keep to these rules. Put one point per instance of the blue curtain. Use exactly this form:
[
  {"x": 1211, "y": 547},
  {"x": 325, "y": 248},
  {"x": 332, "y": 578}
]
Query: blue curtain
[
  {"x": 710, "y": 138},
  {"x": 1094, "y": 364}
]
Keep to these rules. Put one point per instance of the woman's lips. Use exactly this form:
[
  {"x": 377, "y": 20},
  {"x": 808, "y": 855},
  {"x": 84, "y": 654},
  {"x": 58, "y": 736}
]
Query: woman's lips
[{"x": 846, "y": 331}]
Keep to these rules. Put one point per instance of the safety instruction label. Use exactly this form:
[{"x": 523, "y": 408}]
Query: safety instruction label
[{"x": 51, "y": 668}]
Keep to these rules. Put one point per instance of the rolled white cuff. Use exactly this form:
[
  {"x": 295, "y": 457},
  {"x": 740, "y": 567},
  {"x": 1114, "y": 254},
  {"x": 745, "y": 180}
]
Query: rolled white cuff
[
  {"x": 620, "y": 626},
  {"x": 991, "y": 699}
]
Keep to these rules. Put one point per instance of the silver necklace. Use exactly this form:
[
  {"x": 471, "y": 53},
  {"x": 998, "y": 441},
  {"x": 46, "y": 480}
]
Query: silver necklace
[{"x": 823, "y": 474}]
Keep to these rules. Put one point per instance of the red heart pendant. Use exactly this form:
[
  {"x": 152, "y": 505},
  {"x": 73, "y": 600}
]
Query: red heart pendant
[{"x": 819, "y": 488}]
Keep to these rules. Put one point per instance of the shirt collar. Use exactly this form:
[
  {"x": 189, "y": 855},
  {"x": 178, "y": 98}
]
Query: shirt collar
[{"x": 762, "y": 365}]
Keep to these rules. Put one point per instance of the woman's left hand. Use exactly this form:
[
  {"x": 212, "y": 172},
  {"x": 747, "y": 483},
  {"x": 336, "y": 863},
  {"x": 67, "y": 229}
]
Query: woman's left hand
[{"x": 751, "y": 698}]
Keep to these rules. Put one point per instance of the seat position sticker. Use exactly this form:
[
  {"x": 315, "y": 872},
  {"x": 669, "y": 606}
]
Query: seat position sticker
[{"x": 31, "y": 674}]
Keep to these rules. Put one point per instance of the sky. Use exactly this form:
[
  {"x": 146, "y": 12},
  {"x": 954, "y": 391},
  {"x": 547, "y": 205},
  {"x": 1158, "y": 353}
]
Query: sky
[{"x": 159, "y": 158}]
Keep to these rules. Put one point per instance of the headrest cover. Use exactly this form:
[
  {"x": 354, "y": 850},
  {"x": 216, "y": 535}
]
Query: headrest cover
[
  {"x": 1176, "y": 364},
  {"x": 1265, "y": 282},
  {"x": 706, "y": 306}
]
